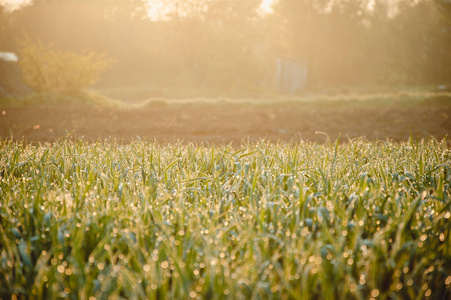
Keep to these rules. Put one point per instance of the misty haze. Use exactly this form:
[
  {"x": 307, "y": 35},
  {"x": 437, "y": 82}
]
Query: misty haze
[{"x": 225, "y": 149}]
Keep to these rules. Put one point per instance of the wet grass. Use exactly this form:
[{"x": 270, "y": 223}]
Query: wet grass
[{"x": 355, "y": 220}]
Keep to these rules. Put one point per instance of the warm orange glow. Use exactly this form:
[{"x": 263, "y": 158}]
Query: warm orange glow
[
  {"x": 266, "y": 6},
  {"x": 226, "y": 47},
  {"x": 158, "y": 9},
  {"x": 14, "y": 4}
]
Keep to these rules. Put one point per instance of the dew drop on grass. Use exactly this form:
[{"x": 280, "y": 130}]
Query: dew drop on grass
[
  {"x": 165, "y": 264},
  {"x": 61, "y": 269},
  {"x": 318, "y": 260},
  {"x": 374, "y": 293}
]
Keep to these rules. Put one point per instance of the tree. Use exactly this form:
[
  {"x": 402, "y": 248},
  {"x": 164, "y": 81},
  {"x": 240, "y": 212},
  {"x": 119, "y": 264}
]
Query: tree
[
  {"x": 214, "y": 38},
  {"x": 358, "y": 42},
  {"x": 6, "y": 38},
  {"x": 108, "y": 9}
]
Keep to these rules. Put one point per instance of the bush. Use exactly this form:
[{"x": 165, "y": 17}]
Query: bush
[{"x": 50, "y": 71}]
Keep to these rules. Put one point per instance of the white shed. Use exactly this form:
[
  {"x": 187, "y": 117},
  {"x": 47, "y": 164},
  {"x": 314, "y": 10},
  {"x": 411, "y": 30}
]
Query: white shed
[{"x": 291, "y": 75}]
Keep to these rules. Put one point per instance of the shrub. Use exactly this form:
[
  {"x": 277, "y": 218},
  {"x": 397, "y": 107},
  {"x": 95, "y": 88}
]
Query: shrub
[{"x": 50, "y": 71}]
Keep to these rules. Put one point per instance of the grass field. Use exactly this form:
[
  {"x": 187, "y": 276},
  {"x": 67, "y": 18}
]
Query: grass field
[{"x": 146, "y": 220}]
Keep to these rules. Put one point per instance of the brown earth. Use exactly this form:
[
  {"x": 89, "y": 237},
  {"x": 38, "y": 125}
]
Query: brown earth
[{"x": 223, "y": 122}]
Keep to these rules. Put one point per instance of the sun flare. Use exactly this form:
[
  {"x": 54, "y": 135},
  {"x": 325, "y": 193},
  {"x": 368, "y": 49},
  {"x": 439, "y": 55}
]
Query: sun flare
[
  {"x": 14, "y": 4},
  {"x": 157, "y": 9},
  {"x": 266, "y": 6}
]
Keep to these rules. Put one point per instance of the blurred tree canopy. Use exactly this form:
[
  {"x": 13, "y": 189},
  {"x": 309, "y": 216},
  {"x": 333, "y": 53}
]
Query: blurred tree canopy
[
  {"x": 108, "y": 9},
  {"x": 225, "y": 47},
  {"x": 365, "y": 42}
]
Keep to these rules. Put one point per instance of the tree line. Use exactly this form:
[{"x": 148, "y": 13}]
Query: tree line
[{"x": 230, "y": 46}]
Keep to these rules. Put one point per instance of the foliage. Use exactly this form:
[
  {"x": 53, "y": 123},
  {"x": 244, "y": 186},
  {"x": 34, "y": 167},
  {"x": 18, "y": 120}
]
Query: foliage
[
  {"x": 345, "y": 42},
  {"x": 267, "y": 221},
  {"x": 50, "y": 71},
  {"x": 218, "y": 46},
  {"x": 109, "y": 9}
]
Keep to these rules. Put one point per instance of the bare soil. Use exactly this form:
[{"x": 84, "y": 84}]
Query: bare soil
[{"x": 223, "y": 122}]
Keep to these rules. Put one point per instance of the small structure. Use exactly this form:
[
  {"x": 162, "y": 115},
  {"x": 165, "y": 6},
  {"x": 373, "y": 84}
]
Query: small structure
[
  {"x": 8, "y": 56},
  {"x": 291, "y": 75}
]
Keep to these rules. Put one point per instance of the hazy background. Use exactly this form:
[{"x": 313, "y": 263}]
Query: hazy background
[{"x": 230, "y": 47}]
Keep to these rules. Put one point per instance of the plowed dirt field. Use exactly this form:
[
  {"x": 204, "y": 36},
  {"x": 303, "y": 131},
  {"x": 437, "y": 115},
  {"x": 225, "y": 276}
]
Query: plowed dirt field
[{"x": 223, "y": 122}]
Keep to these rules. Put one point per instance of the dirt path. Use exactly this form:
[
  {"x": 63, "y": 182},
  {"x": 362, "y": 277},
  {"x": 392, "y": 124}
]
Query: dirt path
[{"x": 225, "y": 122}]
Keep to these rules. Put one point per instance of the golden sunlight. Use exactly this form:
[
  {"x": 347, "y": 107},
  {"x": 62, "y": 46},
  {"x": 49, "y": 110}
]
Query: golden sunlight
[
  {"x": 266, "y": 6},
  {"x": 158, "y": 9},
  {"x": 14, "y": 4}
]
